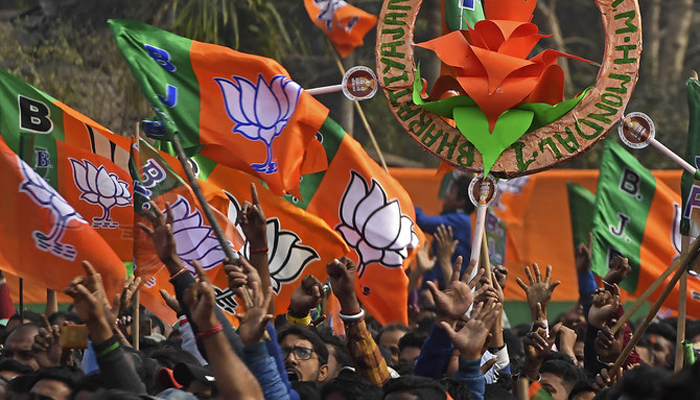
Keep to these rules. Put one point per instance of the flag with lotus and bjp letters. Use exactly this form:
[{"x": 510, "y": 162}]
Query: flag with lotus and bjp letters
[
  {"x": 344, "y": 24},
  {"x": 373, "y": 213},
  {"x": 44, "y": 239},
  {"x": 85, "y": 162},
  {"x": 238, "y": 109},
  {"x": 637, "y": 217}
]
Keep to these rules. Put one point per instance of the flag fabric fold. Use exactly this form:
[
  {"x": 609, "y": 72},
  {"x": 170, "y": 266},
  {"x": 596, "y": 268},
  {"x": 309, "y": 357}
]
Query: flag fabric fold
[
  {"x": 690, "y": 188},
  {"x": 238, "y": 109}
]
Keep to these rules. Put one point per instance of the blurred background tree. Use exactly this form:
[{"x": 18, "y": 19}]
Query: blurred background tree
[{"x": 65, "y": 48}]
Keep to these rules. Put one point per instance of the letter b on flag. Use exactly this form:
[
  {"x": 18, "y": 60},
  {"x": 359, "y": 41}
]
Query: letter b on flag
[{"x": 34, "y": 116}]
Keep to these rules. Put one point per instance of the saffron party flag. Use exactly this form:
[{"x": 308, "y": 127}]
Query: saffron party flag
[
  {"x": 344, "y": 24},
  {"x": 82, "y": 160},
  {"x": 373, "y": 213},
  {"x": 238, "y": 109},
  {"x": 638, "y": 217},
  {"x": 690, "y": 187},
  {"x": 44, "y": 239}
]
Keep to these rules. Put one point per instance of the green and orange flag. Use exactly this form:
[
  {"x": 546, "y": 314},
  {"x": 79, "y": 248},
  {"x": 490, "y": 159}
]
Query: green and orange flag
[
  {"x": 44, "y": 239},
  {"x": 690, "y": 187},
  {"x": 238, "y": 109},
  {"x": 344, "y": 24},
  {"x": 637, "y": 217},
  {"x": 373, "y": 213},
  {"x": 85, "y": 162}
]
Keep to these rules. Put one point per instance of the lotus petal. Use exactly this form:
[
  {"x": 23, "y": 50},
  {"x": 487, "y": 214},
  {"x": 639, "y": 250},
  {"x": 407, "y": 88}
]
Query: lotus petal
[
  {"x": 80, "y": 175},
  {"x": 392, "y": 259},
  {"x": 383, "y": 226},
  {"x": 249, "y": 131},
  {"x": 371, "y": 203},
  {"x": 106, "y": 186},
  {"x": 267, "y": 108},
  {"x": 90, "y": 197},
  {"x": 92, "y": 177},
  {"x": 404, "y": 237},
  {"x": 232, "y": 100},
  {"x": 354, "y": 193},
  {"x": 369, "y": 254},
  {"x": 351, "y": 236},
  {"x": 248, "y": 94}
]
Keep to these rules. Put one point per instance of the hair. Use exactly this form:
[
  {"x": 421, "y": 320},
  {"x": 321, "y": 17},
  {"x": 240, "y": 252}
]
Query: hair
[
  {"x": 67, "y": 316},
  {"x": 412, "y": 339},
  {"x": 685, "y": 384},
  {"x": 462, "y": 184},
  {"x": 307, "y": 390},
  {"x": 423, "y": 388},
  {"x": 33, "y": 317},
  {"x": 340, "y": 350},
  {"x": 580, "y": 387},
  {"x": 662, "y": 329},
  {"x": 168, "y": 356},
  {"x": 111, "y": 394},
  {"x": 643, "y": 381},
  {"x": 566, "y": 370},
  {"x": 352, "y": 387},
  {"x": 457, "y": 389},
  {"x": 70, "y": 376},
  {"x": 309, "y": 334},
  {"x": 559, "y": 356},
  {"x": 391, "y": 328}
]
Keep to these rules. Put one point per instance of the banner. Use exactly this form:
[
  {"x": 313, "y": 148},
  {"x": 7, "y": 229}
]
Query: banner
[
  {"x": 238, "y": 109},
  {"x": 690, "y": 188},
  {"x": 581, "y": 210}
]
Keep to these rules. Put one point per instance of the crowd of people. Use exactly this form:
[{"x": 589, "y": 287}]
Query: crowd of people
[{"x": 458, "y": 343}]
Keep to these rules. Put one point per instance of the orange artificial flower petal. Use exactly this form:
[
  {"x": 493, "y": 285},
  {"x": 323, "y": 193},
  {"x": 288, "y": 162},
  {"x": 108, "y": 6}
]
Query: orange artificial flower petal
[
  {"x": 511, "y": 10},
  {"x": 550, "y": 88},
  {"x": 452, "y": 49},
  {"x": 487, "y": 35},
  {"x": 498, "y": 66},
  {"x": 549, "y": 57}
]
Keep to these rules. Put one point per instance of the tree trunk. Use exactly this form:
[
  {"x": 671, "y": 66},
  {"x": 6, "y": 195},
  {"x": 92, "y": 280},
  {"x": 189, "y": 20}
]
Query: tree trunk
[
  {"x": 678, "y": 21},
  {"x": 652, "y": 38},
  {"x": 549, "y": 10}
]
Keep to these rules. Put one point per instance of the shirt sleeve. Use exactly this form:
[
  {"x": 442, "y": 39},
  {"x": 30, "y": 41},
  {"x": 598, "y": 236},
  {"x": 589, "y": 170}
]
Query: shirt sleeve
[{"x": 366, "y": 357}]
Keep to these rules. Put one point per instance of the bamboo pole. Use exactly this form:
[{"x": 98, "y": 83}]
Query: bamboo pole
[
  {"x": 136, "y": 320},
  {"x": 682, "y": 306}
]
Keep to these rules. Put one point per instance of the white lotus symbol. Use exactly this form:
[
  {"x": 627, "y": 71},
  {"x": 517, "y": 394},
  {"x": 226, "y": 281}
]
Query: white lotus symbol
[
  {"x": 100, "y": 187},
  {"x": 286, "y": 257},
  {"x": 194, "y": 239},
  {"x": 46, "y": 196},
  {"x": 327, "y": 10},
  {"x": 261, "y": 111},
  {"x": 374, "y": 226},
  {"x": 225, "y": 299}
]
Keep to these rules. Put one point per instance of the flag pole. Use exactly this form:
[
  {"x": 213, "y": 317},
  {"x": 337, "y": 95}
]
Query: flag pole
[
  {"x": 136, "y": 320},
  {"x": 324, "y": 90},
  {"x": 21, "y": 300},
  {"x": 485, "y": 260},
  {"x": 682, "y": 306},
  {"x": 685, "y": 263},
  {"x": 361, "y": 113},
  {"x": 232, "y": 257}
]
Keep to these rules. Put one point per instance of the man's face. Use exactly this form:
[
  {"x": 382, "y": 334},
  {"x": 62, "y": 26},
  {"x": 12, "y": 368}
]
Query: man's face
[
  {"x": 298, "y": 368},
  {"x": 660, "y": 349},
  {"x": 49, "y": 389},
  {"x": 450, "y": 202},
  {"x": 390, "y": 341},
  {"x": 333, "y": 365},
  {"x": 18, "y": 346},
  {"x": 409, "y": 355},
  {"x": 554, "y": 385}
]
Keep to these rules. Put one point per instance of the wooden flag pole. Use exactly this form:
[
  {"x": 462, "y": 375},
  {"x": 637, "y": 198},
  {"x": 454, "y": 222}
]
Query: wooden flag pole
[
  {"x": 136, "y": 320},
  {"x": 21, "y": 300},
  {"x": 233, "y": 257},
  {"x": 485, "y": 260},
  {"x": 686, "y": 261},
  {"x": 682, "y": 306},
  {"x": 647, "y": 293}
]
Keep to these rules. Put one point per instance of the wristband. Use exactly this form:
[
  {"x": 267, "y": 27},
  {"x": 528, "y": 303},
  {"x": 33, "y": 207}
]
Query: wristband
[
  {"x": 258, "y": 251},
  {"x": 178, "y": 273},
  {"x": 352, "y": 318},
  {"x": 209, "y": 332},
  {"x": 304, "y": 321}
]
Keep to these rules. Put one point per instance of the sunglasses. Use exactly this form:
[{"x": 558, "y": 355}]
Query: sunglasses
[{"x": 300, "y": 353}]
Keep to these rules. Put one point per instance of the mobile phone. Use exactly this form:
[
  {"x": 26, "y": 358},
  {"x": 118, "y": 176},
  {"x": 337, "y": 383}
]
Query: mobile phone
[{"x": 74, "y": 337}]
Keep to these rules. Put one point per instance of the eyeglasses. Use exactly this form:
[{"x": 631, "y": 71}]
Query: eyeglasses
[{"x": 300, "y": 353}]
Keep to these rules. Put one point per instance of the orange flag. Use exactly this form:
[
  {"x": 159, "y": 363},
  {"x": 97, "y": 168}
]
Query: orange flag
[
  {"x": 345, "y": 25},
  {"x": 373, "y": 213},
  {"x": 43, "y": 237},
  {"x": 237, "y": 109}
]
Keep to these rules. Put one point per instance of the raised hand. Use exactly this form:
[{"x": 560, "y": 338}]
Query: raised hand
[
  {"x": 162, "y": 236},
  {"x": 47, "y": 344},
  {"x": 537, "y": 344},
  {"x": 199, "y": 299},
  {"x": 608, "y": 346},
  {"x": 471, "y": 339},
  {"x": 306, "y": 296},
  {"x": 254, "y": 321},
  {"x": 605, "y": 380},
  {"x": 583, "y": 255},
  {"x": 567, "y": 340},
  {"x": 452, "y": 303},
  {"x": 605, "y": 305},
  {"x": 501, "y": 273},
  {"x": 342, "y": 274},
  {"x": 619, "y": 269},
  {"x": 423, "y": 261},
  {"x": 171, "y": 301},
  {"x": 123, "y": 301},
  {"x": 539, "y": 291},
  {"x": 240, "y": 275},
  {"x": 253, "y": 222}
]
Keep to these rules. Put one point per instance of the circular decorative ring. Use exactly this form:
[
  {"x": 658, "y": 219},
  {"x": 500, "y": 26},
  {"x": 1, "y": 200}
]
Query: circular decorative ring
[{"x": 574, "y": 133}]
